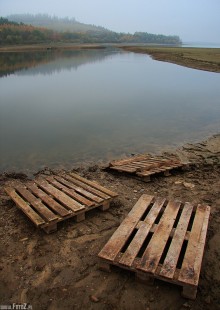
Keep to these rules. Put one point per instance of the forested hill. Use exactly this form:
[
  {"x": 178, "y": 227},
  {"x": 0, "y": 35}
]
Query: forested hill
[
  {"x": 44, "y": 29},
  {"x": 55, "y": 23}
]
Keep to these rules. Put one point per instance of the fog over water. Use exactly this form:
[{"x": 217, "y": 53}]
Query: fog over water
[{"x": 196, "y": 20}]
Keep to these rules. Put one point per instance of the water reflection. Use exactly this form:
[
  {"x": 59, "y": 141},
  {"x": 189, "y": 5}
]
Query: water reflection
[
  {"x": 115, "y": 103},
  {"x": 49, "y": 61}
]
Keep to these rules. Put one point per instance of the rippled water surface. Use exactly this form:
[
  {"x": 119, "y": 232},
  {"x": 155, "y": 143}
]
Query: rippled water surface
[{"x": 61, "y": 108}]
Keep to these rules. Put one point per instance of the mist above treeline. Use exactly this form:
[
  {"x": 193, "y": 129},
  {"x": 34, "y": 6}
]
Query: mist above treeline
[{"x": 42, "y": 28}]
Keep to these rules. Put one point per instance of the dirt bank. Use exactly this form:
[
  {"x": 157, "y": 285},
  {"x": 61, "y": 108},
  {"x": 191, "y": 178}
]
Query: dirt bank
[
  {"x": 207, "y": 59},
  {"x": 60, "y": 270}
]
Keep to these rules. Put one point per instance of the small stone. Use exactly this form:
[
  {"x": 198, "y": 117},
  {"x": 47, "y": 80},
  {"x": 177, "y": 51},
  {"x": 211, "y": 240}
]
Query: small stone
[
  {"x": 189, "y": 185},
  {"x": 151, "y": 299},
  {"x": 94, "y": 298},
  {"x": 24, "y": 239},
  {"x": 186, "y": 305},
  {"x": 178, "y": 182},
  {"x": 135, "y": 191},
  {"x": 64, "y": 289}
]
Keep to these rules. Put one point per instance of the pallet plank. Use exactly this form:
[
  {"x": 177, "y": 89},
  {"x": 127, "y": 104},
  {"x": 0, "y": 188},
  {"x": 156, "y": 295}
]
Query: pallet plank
[
  {"x": 127, "y": 160},
  {"x": 31, "y": 214},
  {"x": 54, "y": 205},
  {"x": 91, "y": 192},
  {"x": 154, "y": 251},
  {"x": 116, "y": 242},
  {"x": 83, "y": 191},
  {"x": 193, "y": 257},
  {"x": 94, "y": 185},
  {"x": 60, "y": 196},
  {"x": 145, "y": 227},
  {"x": 43, "y": 211},
  {"x": 169, "y": 266},
  {"x": 201, "y": 244},
  {"x": 60, "y": 185}
]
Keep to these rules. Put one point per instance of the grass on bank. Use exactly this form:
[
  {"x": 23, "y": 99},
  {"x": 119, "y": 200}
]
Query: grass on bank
[{"x": 207, "y": 59}]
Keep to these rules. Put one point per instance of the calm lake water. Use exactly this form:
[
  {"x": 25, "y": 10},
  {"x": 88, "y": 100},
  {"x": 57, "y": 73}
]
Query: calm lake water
[{"x": 59, "y": 109}]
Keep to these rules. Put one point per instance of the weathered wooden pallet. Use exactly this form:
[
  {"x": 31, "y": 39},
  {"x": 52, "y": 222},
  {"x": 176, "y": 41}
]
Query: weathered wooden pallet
[
  {"x": 160, "y": 239},
  {"x": 143, "y": 166},
  {"x": 49, "y": 200}
]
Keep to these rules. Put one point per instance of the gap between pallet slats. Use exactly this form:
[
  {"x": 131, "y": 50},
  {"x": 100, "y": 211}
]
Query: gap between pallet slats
[
  {"x": 51, "y": 203},
  {"x": 124, "y": 231},
  {"x": 170, "y": 262},
  {"x": 60, "y": 196},
  {"x": 36, "y": 219},
  {"x": 36, "y": 204},
  {"x": 137, "y": 242},
  {"x": 95, "y": 185},
  {"x": 154, "y": 251},
  {"x": 87, "y": 190},
  {"x": 71, "y": 192},
  {"x": 192, "y": 260}
]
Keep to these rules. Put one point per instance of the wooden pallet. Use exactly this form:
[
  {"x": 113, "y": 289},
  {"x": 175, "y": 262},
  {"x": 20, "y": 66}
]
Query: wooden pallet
[
  {"x": 143, "y": 166},
  {"x": 47, "y": 201},
  {"x": 160, "y": 239}
]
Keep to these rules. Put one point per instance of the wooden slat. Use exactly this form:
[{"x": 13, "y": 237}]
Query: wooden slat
[
  {"x": 124, "y": 169},
  {"x": 118, "y": 239},
  {"x": 154, "y": 251},
  {"x": 33, "y": 216},
  {"x": 191, "y": 265},
  {"x": 201, "y": 244},
  {"x": 145, "y": 227},
  {"x": 54, "y": 205},
  {"x": 169, "y": 266},
  {"x": 147, "y": 172},
  {"x": 135, "y": 165},
  {"x": 36, "y": 203},
  {"x": 95, "y": 185},
  {"x": 69, "y": 191},
  {"x": 127, "y": 160},
  {"x": 83, "y": 191},
  {"x": 60, "y": 196},
  {"x": 88, "y": 188}
]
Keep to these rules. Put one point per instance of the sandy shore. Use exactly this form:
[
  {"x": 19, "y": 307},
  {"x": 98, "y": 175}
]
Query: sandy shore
[{"x": 60, "y": 270}]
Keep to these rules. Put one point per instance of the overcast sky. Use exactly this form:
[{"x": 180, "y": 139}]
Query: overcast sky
[{"x": 192, "y": 20}]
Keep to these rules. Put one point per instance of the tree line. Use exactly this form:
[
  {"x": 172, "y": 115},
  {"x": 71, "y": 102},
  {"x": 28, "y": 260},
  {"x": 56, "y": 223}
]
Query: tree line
[{"x": 19, "y": 33}]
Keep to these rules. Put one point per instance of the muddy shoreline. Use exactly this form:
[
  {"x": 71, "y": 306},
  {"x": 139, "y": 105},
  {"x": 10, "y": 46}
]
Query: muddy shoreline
[{"x": 60, "y": 270}]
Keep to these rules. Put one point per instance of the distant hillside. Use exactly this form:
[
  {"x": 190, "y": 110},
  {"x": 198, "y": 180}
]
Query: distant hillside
[
  {"x": 29, "y": 29},
  {"x": 54, "y": 23}
]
